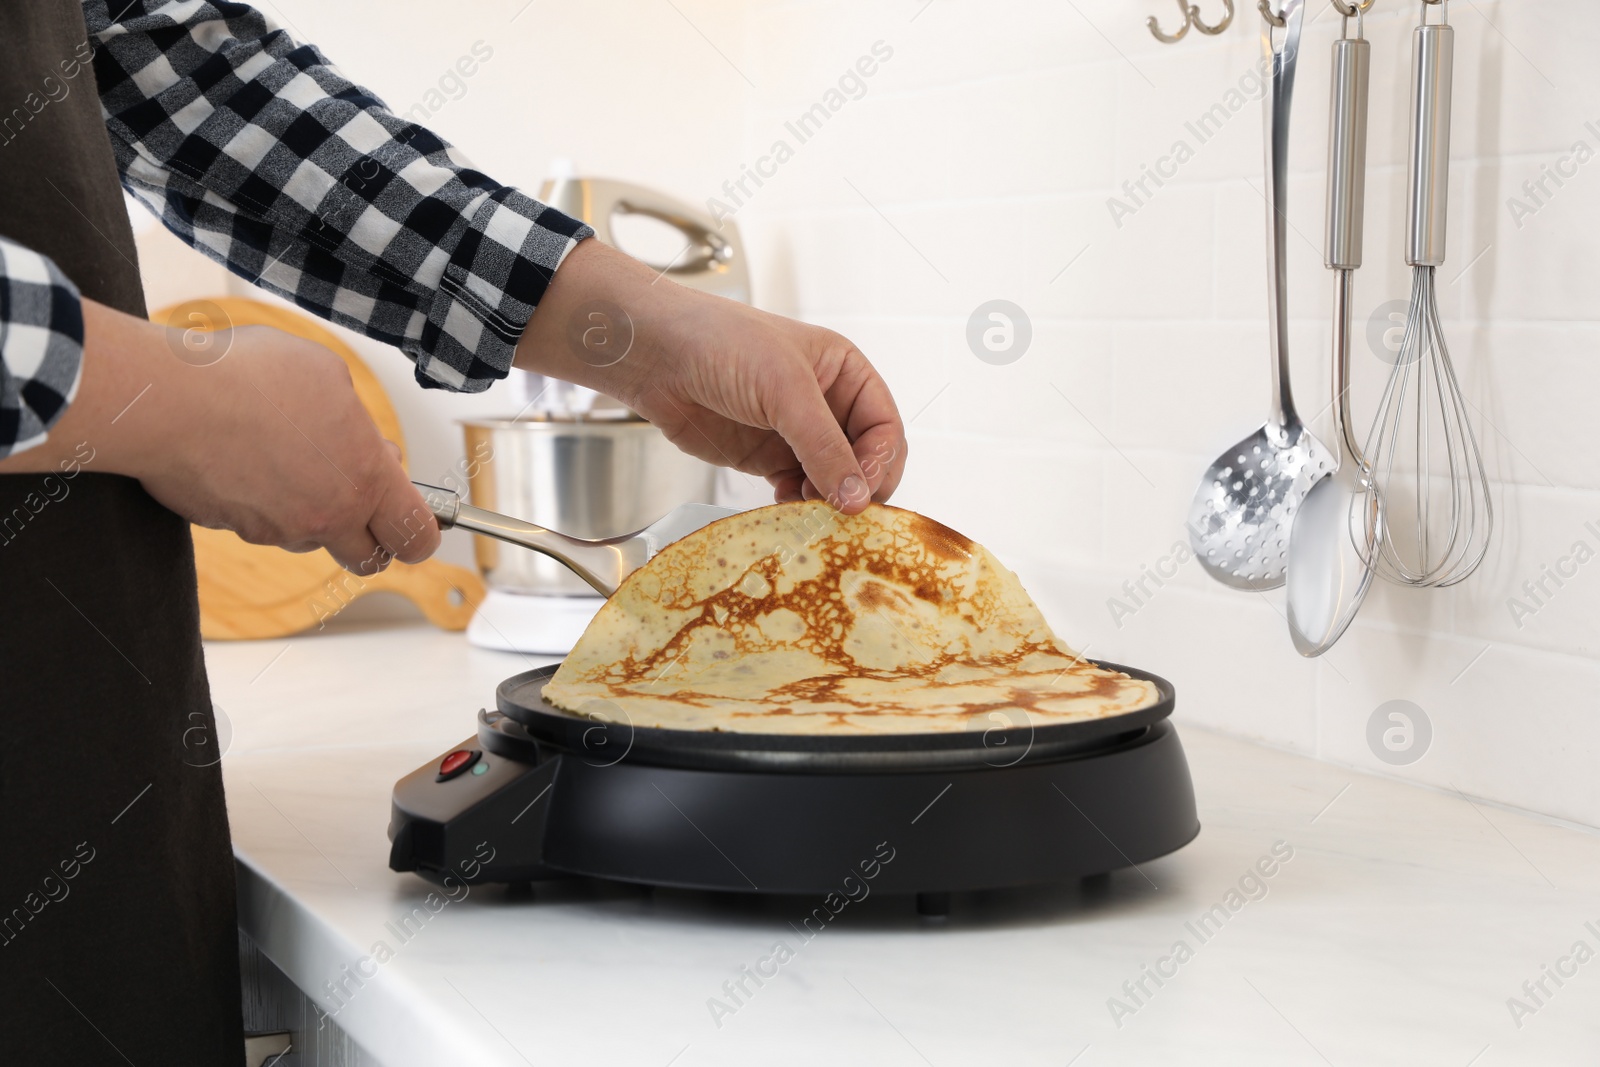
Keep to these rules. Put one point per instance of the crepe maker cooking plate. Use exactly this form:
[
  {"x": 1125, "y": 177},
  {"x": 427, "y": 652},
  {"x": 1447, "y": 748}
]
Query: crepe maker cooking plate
[{"x": 543, "y": 794}]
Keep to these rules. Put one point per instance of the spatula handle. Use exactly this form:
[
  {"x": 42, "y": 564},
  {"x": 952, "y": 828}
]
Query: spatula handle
[
  {"x": 445, "y": 505},
  {"x": 600, "y": 563}
]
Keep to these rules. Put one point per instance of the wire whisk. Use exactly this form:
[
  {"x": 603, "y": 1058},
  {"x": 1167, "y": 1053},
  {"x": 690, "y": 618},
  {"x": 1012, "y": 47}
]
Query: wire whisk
[
  {"x": 1425, "y": 458},
  {"x": 1440, "y": 514}
]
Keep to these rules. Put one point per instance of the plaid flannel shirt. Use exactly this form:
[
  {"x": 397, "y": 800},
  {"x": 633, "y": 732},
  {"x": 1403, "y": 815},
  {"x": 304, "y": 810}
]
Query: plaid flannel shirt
[
  {"x": 256, "y": 151},
  {"x": 41, "y": 342}
]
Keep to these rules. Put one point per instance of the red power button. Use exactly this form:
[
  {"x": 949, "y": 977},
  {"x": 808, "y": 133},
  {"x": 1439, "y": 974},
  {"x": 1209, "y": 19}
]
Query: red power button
[{"x": 456, "y": 762}]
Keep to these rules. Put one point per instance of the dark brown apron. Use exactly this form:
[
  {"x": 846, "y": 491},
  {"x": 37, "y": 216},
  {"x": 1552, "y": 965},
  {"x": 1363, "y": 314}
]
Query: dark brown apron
[{"x": 117, "y": 911}]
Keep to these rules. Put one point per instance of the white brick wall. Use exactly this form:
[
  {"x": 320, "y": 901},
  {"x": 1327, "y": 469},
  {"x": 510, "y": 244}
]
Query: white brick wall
[{"x": 990, "y": 142}]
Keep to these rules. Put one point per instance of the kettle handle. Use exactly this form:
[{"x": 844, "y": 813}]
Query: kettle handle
[{"x": 714, "y": 260}]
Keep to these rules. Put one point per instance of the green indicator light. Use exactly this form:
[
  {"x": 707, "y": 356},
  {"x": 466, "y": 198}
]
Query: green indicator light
[{"x": 480, "y": 767}]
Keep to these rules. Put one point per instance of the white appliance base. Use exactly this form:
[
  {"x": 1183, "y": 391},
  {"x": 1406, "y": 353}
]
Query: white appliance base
[{"x": 531, "y": 622}]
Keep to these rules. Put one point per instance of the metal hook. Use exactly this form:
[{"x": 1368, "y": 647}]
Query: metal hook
[
  {"x": 1212, "y": 31},
  {"x": 1171, "y": 38},
  {"x": 1191, "y": 18},
  {"x": 1266, "y": 13}
]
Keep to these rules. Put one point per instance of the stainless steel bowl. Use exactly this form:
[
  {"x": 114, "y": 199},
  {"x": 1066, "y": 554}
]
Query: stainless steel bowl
[{"x": 585, "y": 478}]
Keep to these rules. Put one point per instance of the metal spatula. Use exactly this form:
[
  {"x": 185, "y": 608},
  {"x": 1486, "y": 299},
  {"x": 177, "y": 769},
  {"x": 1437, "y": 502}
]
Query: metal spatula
[{"x": 603, "y": 563}]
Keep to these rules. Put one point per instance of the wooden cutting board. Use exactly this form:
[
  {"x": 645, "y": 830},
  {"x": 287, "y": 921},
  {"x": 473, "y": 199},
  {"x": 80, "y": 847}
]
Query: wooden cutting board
[{"x": 254, "y": 591}]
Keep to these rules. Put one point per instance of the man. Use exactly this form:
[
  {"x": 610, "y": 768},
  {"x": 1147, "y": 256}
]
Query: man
[{"x": 117, "y": 939}]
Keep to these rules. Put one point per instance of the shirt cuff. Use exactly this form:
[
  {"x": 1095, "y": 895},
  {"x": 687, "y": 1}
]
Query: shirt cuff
[
  {"x": 41, "y": 346},
  {"x": 496, "y": 276}
]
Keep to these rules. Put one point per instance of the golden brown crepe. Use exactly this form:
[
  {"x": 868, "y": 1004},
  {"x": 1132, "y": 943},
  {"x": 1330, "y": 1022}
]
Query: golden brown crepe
[{"x": 795, "y": 619}]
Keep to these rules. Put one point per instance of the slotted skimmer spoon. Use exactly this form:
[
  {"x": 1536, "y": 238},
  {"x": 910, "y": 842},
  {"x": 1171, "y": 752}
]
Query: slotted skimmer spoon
[
  {"x": 603, "y": 563},
  {"x": 1240, "y": 518},
  {"x": 1341, "y": 520}
]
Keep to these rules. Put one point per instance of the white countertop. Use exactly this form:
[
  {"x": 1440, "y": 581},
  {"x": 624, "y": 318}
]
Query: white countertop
[{"x": 1396, "y": 933}]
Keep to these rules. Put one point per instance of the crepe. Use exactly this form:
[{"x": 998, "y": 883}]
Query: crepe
[{"x": 796, "y": 619}]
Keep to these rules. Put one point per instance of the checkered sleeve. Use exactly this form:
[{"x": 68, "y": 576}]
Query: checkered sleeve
[
  {"x": 255, "y": 150},
  {"x": 41, "y": 346}
]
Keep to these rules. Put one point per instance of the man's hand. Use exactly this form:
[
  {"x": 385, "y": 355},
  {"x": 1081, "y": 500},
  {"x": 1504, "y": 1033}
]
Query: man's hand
[
  {"x": 796, "y": 404},
  {"x": 270, "y": 441}
]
